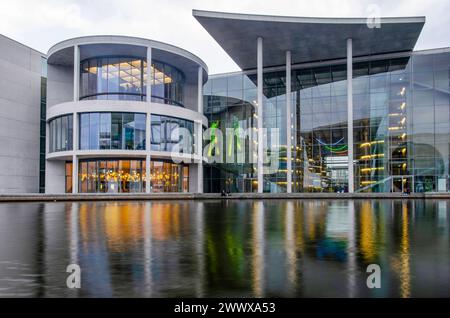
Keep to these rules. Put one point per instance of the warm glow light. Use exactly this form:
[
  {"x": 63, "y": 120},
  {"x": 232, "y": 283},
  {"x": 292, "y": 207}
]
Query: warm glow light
[
  {"x": 377, "y": 155},
  {"x": 371, "y": 169}
]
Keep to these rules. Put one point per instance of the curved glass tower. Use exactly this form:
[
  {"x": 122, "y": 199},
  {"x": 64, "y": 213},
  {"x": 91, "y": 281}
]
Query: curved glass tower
[{"x": 124, "y": 115}]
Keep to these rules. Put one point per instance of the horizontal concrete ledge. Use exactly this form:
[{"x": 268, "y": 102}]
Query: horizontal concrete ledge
[{"x": 214, "y": 196}]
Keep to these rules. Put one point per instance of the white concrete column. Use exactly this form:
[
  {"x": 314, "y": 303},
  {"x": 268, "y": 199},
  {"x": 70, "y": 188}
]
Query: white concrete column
[
  {"x": 75, "y": 147},
  {"x": 200, "y": 90},
  {"x": 260, "y": 171},
  {"x": 288, "y": 123},
  {"x": 351, "y": 179},
  {"x": 76, "y": 73},
  {"x": 149, "y": 75},
  {"x": 148, "y": 126},
  {"x": 148, "y": 123},
  {"x": 198, "y": 128}
]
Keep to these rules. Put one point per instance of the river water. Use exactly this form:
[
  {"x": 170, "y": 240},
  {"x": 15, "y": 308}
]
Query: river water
[{"x": 226, "y": 248}]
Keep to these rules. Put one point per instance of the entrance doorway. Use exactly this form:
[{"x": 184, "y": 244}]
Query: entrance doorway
[{"x": 402, "y": 184}]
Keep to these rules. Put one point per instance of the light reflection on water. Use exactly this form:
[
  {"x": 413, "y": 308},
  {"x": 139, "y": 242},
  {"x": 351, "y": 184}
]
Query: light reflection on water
[{"x": 272, "y": 248}]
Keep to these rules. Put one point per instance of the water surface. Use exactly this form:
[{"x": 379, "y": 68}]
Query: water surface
[{"x": 220, "y": 248}]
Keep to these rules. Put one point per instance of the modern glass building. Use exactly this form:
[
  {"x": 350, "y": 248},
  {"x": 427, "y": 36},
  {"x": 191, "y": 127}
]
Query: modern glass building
[
  {"x": 116, "y": 111},
  {"x": 321, "y": 105},
  {"x": 356, "y": 108}
]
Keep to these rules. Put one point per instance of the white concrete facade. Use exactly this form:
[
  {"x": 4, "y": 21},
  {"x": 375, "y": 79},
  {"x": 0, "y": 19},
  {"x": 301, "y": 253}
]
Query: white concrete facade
[
  {"x": 20, "y": 96},
  {"x": 64, "y": 98}
]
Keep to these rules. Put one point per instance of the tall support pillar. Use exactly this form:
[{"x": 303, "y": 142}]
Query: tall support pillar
[
  {"x": 75, "y": 146},
  {"x": 148, "y": 122},
  {"x": 260, "y": 171},
  {"x": 76, "y": 73},
  {"x": 351, "y": 178},
  {"x": 147, "y": 150},
  {"x": 199, "y": 132},
  {"x": 288, "y": 123},
  {"x": 76, "y": 97}
]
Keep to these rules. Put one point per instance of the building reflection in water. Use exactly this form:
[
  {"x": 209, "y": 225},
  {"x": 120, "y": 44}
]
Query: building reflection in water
[
  {"x": 226, "y": 248},
  {"x": 258, "y": 245},
  {"x": 405, "y": 275},
  {"x": 199, "y": 249},
  {"x": 351, "y": 250},
  {"x": 290, "y": 246},
  {"x": 147, "y": 231}
]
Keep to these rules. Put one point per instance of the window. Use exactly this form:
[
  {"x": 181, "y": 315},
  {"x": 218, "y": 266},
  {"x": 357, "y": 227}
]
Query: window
[
  {"x": 111, "y": 176},
  {"x": 123, "y": 78},
  {"x": 164, "y": 134},
  {"x": 68, "y": 176},
  {"x": 61, "y": 132},
  {"x": 112, "y": 131},
  {"x": 169, "y": 177}
]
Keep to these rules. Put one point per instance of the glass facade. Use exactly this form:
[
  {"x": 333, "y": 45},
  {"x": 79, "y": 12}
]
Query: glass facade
[
  {"x": 401, "y": 115},
  {"x": 169, "y": 177},
  {"x": 166, "y": 133},
  {"x": 124, "y": 131},
  {"x": 61, "y": 133},
  {"x": 125, "y": 78},
  {"x": 68, "y": 176},
  {"x": 111, "y": 176},
  {"x": 127, "y": 176},
  {"x": 167, "y": 84}
]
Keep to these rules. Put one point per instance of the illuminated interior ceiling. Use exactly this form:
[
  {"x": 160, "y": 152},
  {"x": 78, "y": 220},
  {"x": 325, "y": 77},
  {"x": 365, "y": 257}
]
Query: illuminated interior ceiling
[{"x": 308, "y": 39}]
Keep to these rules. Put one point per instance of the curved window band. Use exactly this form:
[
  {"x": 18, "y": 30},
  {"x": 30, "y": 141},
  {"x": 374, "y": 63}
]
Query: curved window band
[
  {"x": 60, "y": 133},
  {"x": 142, "y": 97},
  {"x": 125, "y": 78}
]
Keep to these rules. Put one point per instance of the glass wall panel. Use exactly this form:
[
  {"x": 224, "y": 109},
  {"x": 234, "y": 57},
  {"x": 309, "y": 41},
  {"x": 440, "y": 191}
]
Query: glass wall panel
[
  {"x": 111, "y": 176},
  {"x": 112, "y": 131},
  {"x": 169, "y": 177},
  {"x": 105, "y": 131},
  {"x": 124, "y": 78},
  {"x": 68, "y": 173},
  {"x": 61, "y": 133},
  {"x": 400, "y": 118},
  {"x": 230, "y": 103},
  {"x": 166, "y": 133}
]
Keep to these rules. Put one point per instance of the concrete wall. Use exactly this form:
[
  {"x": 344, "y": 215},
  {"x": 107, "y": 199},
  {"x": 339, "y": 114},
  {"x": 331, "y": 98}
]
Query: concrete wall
[
  {"x": 193, "y": 185},
  {"x": 59, "y": 84},
  {"x": 190, "y": 96},
  {"x": 20, "y": 94},
  {"x": 55, "y": 176}
]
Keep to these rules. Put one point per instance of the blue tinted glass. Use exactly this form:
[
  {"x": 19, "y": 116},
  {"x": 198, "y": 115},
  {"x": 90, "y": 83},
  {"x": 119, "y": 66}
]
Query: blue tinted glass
[
  {"x": 84, "y": 131},
  {"x": 94, "y": 130}
]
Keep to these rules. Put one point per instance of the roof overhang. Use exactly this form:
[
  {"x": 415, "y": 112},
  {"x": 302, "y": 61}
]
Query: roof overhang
[{"x": 308, "y": 39}]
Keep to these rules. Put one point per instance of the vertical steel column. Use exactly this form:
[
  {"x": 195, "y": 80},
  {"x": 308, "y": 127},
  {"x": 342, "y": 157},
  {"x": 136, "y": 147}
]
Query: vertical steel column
[
  {"x": 199, "y": 132},
  {"x": 148, "y": 122},
  {"x": 76, "y": 73},
  {"x": 351, "y": 178},
  {"x": 260, "y": 171},
  {"x": 76, "y": 97},
  {"x": 288, "y": 123},
  {"x": 75, "y": 144}
]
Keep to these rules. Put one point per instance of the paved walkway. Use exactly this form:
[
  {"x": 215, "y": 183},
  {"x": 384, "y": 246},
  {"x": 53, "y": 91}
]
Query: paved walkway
[{"x": 214, "y": 196}]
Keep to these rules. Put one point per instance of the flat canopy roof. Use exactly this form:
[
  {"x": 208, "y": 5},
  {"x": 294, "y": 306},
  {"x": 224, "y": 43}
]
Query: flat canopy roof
[{"x": 308, "y": 39}]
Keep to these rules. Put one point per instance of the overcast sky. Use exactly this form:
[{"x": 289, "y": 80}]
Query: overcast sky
[{"x": 42, "y": 23}]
